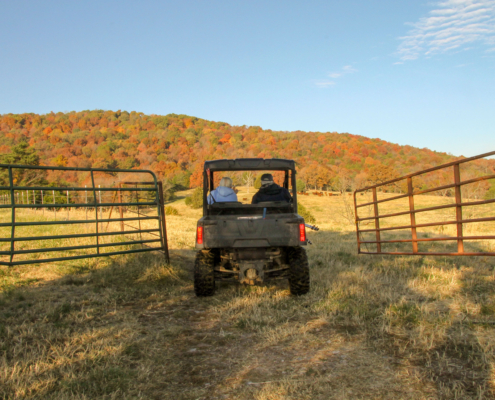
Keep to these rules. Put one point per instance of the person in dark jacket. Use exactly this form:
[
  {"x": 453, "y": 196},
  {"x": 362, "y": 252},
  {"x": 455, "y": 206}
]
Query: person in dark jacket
[{"x": 270, "y": 191}]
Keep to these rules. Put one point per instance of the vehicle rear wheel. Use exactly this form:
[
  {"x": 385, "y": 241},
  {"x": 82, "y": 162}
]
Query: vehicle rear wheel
[
  {"x": 298, "y": 271},
  {"x": 204, "y": 273}
]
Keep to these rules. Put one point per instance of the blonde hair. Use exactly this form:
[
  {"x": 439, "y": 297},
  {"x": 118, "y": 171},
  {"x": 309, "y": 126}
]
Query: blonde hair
[{"x": 226, "y": 181}]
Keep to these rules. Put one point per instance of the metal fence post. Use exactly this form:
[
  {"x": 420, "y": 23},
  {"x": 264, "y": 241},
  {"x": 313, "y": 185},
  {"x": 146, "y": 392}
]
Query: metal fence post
[
  {"x": 86, "y": 203},
  {"x": 101, "y": 208},
  {"x": 414, "y": 235},
  {"x": 12, "y": 203},
  {"x": 377, "y": 222},
  {"x": 121, "y": 210},
  {"x": 96, "y": 214},
  {"x": 357, "y": 224},
  {"x": 139, "y": 220},
  {"x": 163, "y": 221},
  {"x": 458, "y": 208}
]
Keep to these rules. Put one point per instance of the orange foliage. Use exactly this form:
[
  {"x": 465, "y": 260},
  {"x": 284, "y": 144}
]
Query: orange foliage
[{"x": 175, "y": 146}]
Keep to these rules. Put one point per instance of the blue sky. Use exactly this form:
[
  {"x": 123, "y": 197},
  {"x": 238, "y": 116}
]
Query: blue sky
[{"x": 410, "y": 72}]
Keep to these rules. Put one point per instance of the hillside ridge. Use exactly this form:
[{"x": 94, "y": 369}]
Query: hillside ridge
[{"x": 175, "y": 146}]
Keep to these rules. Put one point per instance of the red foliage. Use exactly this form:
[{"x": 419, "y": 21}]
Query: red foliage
[{"x": 176, "y": 145}]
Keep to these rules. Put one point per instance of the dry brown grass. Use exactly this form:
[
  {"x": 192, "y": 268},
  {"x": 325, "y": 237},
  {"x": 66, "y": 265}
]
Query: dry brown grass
[{"x": 372, "y": 327}]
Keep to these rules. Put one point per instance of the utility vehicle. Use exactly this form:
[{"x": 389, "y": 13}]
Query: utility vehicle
[{"x": 250, "y": 243}]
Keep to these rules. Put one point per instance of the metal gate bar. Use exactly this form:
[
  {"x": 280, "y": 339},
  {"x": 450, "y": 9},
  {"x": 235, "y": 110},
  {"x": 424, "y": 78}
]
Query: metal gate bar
[
  {"x": 163, "y": 225},
  {"x": 153, "y": 186},
  {"x": 412, "y": 212}
]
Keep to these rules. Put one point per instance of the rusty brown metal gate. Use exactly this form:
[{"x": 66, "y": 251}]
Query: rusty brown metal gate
[{"x": 409, "y": 233}]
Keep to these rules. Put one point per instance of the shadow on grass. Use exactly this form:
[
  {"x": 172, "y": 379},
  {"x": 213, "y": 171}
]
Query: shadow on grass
[
  {"x": 436, "y": 314},
  {"x": 131, "y": 327},
  {"x": 121, "y": 327}
]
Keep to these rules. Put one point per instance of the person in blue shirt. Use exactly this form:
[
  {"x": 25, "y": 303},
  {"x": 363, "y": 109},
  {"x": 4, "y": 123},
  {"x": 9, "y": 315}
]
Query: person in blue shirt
[{"x": 223, "y": 193}]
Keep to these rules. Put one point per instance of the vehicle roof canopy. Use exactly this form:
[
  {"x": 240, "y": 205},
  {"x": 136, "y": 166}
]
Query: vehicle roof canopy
[{"x": 250, "y": 164}]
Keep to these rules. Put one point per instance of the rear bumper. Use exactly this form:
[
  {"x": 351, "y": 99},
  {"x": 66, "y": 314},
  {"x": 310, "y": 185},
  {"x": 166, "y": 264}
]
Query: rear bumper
[{"x": 240, "y": 232}]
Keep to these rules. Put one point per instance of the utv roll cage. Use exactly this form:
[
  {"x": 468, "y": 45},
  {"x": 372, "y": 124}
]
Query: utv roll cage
[{"x": 249, "y": 164}]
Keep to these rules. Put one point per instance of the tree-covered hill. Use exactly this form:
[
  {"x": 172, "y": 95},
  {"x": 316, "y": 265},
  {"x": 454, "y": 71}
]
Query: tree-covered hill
[{"x": 175, "y": 146}]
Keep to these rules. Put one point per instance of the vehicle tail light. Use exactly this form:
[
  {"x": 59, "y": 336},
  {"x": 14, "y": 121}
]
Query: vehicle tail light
[
  {"x": 199, "y": 235},
  {"x": 302, "y": 232}
]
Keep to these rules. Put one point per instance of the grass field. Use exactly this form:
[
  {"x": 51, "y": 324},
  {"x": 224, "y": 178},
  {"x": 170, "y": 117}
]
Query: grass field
[{"x": 372, "y": 327}]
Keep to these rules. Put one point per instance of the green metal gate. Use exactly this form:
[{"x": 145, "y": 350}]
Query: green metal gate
[{"x": 39, "y": 221}]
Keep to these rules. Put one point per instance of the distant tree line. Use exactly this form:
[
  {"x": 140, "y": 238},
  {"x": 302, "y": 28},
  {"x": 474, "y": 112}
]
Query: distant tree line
[{"x": 176, "y": 146}]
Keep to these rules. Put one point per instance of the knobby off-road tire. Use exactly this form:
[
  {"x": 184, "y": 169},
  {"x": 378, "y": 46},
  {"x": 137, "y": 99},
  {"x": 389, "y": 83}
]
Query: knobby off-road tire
[
  {"x": 204, "y": 273},
  {"x": 298, "y": 271}
]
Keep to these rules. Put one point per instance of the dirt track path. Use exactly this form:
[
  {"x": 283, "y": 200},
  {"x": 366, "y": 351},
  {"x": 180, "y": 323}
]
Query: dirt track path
[{"x": 200, "y": 351}]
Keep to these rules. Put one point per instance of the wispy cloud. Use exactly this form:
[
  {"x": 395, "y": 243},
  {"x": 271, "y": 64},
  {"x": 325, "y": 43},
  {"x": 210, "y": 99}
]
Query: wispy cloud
[
  {"x": 452, "y": 26},
  {"x": 347, "y": 69},
  {"x": 324, "y": 83}
]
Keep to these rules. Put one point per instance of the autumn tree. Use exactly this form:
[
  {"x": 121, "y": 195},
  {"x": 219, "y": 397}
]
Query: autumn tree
[
  {"x": 323, "y": 177},
  {"x": 175, "y": 146},
  {"x": 248, "y": 179},
  {"x": 382, "y": 173},
  {"x": 196, "y": 178}
]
